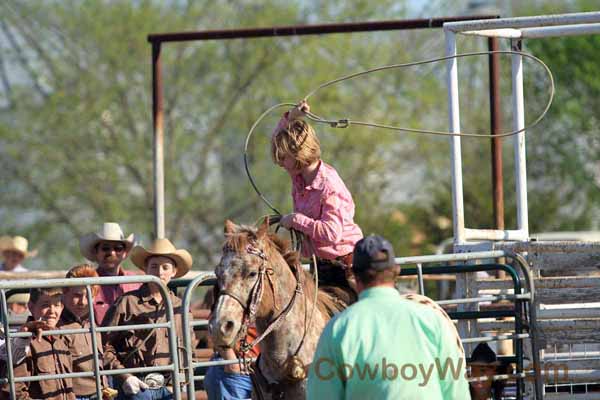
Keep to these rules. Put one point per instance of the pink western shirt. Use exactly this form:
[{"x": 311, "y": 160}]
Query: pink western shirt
[
  {"x": 325, "y": 214},
  {"x": 108, "y": 294}
]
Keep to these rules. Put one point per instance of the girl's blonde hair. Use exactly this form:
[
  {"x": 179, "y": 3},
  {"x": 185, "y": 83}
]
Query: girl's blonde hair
[
  {"x": 84, "y": 271},
  {"x": 299, "y": 140}
]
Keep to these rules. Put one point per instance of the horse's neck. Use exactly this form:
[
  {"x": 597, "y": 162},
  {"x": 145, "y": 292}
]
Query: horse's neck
[{"x": 289, "y": 337}]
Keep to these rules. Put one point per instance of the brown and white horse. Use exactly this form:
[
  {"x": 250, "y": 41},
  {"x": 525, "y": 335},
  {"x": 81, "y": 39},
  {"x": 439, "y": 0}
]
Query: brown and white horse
[{"x": 260, "y": 280}]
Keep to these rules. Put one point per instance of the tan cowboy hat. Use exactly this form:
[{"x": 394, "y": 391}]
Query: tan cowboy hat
[
  {"x": 163, "y": 247},
  {"x": 18, "y": 298},
  {"x": 16, "y": 243},
  {"x": 110, "y": 231}
]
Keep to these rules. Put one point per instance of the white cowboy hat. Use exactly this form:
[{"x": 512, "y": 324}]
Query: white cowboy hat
[
  {"x": 163, "y": 247},
  {"x": 16, "y": 243},
  {"x": 110, "y": 231}
]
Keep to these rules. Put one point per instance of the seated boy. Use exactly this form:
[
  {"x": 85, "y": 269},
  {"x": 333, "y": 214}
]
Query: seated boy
[
  {"x": 76, "y": 315},
  {"x": 44, "y": 355},
  {"x": 146, "y": 348}
]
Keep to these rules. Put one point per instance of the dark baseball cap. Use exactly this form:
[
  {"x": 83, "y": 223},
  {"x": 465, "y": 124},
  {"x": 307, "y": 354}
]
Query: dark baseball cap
[{"x": 374, "y": 252}]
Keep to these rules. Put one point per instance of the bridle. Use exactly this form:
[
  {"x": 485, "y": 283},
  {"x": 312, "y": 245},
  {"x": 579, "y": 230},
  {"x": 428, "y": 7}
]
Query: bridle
[{"x": 250, "y": 306}]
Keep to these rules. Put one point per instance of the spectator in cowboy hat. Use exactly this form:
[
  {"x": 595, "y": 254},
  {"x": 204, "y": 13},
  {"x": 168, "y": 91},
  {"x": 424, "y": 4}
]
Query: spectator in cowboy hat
[
  {"x": 108, "y": 247},
  {"x": 484, "y": 363},
  {"x": 14, "y": 251},
  {"x": 138, "y": 348}
]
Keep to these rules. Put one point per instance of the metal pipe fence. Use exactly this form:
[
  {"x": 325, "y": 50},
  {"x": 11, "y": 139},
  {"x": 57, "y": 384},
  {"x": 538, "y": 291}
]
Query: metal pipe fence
[
  {"x": 191, "y": 368},
  {"x": 173, "y": 367}
]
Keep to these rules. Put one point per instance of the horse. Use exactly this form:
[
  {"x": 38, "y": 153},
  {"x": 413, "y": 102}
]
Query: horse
[{"x": 260, "y": 279}]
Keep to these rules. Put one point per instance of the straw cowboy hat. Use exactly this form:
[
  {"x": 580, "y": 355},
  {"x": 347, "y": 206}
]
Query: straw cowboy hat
[
  {"x": 18, "y": 298},
  {"x": 16, "y": 243},
  {"x": 163, "y": 247},
  {"x": 110, "y": 231}
]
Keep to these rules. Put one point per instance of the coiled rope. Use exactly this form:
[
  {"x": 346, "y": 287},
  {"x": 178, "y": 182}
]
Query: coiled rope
[{"x": 344, "y": 123}]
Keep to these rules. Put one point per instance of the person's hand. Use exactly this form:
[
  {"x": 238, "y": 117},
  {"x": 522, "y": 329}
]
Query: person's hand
[
  {"x": 35, "y": 327},
  {"x": 133, "y": 385},
  {"x": 299, "y": 111},
  {"x": 228, "y": 353},
  {"x": 109, "y": 393},
  {"x": 286, "y": 221}
]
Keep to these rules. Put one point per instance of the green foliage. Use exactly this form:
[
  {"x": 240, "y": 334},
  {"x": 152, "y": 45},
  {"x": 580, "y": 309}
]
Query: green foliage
[{"x": 76, "y": 127}]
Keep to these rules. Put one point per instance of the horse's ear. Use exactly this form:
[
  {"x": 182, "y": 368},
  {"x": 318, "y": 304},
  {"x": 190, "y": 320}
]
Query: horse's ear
[
  {"x": 229, "y": 228},
  {"x": 263, "y": 228}
]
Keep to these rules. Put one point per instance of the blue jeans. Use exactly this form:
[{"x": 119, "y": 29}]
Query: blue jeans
[
  {"x": 221, "y": 385},
  {"x": 148, "y": 394}
]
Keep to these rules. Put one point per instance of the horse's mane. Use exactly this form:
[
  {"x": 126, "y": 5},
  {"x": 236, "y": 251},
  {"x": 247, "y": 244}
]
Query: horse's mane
[{"x": 246, "y": 235}]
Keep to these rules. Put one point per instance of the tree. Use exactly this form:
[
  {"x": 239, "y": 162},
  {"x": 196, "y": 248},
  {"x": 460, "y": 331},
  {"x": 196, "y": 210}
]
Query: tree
[{"x": 76, "y": 131}]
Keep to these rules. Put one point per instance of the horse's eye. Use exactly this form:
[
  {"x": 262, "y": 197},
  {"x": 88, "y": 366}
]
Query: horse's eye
[{"x": 252, "y": 274}]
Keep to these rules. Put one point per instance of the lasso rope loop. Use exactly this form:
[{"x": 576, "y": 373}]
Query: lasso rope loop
[{"x": 344, "y": 123}]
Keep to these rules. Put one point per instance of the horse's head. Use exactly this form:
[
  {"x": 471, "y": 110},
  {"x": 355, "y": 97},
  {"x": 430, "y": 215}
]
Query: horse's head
[{"x": 248, "y": 256}]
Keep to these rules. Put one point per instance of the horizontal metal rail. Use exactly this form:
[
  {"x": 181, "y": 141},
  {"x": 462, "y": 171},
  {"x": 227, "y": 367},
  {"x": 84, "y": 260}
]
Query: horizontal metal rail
[
  {"x": 499, "y": 297},
  {"x": 100, "y": 329},
  {"x": 524, "y": 22},
  {"x": 300, "y": 30},
  {"x": 485, "y": 339}
]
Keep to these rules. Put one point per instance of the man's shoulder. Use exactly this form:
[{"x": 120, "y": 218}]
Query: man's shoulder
[{"x": 347, "y": 316}]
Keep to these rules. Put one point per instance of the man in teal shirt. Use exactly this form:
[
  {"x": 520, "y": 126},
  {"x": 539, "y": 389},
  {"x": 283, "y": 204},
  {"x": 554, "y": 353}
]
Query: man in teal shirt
[{"x": 384, "y": 346}]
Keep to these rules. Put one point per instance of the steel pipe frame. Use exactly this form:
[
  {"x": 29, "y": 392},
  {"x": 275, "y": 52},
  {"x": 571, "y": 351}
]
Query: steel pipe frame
[
  {"x": 537, "y": 33},
  {"x": 156, "y": 41},
  {"x": 88, "y": 282},
  {"x": 461, "y": 234},
  {"x": 515, "y": 29}
]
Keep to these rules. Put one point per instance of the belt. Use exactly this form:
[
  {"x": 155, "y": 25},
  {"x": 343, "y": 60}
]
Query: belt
[
  {"x": 343, "y": 262},
  {"x": 346, "y": 260}
]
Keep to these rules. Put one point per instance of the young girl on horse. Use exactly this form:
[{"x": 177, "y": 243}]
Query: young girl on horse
[{"x": 323, "y": 205}]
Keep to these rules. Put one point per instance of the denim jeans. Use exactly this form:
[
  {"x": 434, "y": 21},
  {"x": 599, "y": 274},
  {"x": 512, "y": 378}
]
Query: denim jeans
[
  {"x": 148, "y": 394},
  {"x": 221, "y": 385}
]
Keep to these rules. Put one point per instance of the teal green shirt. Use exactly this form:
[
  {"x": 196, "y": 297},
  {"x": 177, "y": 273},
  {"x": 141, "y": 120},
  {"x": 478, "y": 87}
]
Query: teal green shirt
[{"x": 386, "y": 347}]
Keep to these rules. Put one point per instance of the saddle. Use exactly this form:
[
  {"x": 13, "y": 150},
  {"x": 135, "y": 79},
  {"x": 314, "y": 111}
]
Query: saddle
[{"x": 335, "y": 294}]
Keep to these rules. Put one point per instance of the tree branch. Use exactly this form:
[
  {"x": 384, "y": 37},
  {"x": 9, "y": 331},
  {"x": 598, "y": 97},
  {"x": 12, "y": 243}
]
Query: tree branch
[{"x": 23, "y": 60}]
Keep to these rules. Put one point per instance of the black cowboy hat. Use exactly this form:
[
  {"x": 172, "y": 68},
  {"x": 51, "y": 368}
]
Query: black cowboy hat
[{"x": 484, "y": 355}]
